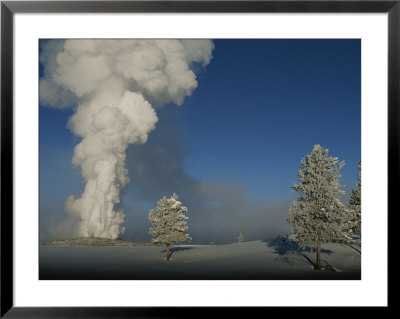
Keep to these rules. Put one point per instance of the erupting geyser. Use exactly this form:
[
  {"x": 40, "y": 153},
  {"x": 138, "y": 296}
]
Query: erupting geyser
[{"x": 110, "y": 83}]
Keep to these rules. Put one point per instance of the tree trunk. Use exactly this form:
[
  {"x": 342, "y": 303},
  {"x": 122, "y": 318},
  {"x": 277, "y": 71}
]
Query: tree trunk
[
  {"x": 167, "y": 258},
  {"x": 317, "y": 265}
]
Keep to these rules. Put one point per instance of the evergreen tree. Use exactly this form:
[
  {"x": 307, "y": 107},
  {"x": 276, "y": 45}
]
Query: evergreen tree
[
  {"x": 316, "y": 216},
  {"x": 241, "y": 238},
  {"x": 353, "y": 220},
  {"x": 168, "y": 220}
]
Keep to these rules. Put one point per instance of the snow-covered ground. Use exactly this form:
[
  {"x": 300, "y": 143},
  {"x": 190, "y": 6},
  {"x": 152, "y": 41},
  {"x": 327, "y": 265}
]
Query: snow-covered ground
[{"x": 246, "y": 260}]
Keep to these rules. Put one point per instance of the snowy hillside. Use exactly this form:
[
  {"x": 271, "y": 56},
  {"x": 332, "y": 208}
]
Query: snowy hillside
[{"x": 247, "y": 260}]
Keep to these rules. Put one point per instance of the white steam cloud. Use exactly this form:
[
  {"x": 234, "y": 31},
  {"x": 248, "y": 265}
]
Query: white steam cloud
[{"x": 111, "y": 82}]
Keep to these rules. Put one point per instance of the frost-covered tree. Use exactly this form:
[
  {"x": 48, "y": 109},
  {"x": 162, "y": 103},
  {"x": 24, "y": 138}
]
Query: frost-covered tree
[
  {"x": 241, "y": 238},
  {"x": 316, "y": 216},
  {"x": 169, "y": 222},
  {"x": 353, "y": 221}
]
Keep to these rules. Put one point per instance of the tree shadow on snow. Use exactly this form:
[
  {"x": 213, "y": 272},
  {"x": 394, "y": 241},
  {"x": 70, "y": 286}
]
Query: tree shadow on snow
[
  {"x": 283, "y": 245},
  {"x": 290, "y": 252},
  {"x": 174, "y": 249}
]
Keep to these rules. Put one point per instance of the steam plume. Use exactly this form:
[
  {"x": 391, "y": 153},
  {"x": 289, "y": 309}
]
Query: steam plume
[{"x": 112, "y": 83}]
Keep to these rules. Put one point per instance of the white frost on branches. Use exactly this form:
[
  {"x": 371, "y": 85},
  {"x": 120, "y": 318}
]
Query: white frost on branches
[
  {"x": 317, "y": 214},
  {"x": 169, "y": 222},
  {"x": 353, "y": 216}
]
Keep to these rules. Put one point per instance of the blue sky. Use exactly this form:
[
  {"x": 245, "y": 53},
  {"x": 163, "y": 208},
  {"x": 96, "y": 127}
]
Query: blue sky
[
  {"x": 259, "y": 107},
  {"x": 262, "y": 105}
]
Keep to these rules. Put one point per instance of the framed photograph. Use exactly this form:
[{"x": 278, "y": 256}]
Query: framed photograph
[{"x": 163, "y": 155}]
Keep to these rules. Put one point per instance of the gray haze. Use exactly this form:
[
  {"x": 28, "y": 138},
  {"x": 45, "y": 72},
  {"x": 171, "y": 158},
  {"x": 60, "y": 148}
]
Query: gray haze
[{"x": 217, "y": 211}]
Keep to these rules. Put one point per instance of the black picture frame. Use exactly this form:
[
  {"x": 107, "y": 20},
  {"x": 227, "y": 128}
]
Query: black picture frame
[{"x": 9, "y": 8}]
